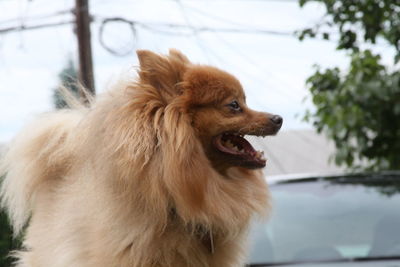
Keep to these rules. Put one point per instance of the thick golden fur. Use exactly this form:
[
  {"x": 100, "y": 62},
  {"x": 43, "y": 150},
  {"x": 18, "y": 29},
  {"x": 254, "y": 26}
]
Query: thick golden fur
[{"x": 133, "y": 179}]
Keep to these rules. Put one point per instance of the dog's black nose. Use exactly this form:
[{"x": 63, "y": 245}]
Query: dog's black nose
[{"x": 277, "y": 119}]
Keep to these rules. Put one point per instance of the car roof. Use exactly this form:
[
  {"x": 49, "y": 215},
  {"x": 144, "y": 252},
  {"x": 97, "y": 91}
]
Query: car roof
[
  {"x": 302, "y": 177},
  {"x": 372, "y": 263}
]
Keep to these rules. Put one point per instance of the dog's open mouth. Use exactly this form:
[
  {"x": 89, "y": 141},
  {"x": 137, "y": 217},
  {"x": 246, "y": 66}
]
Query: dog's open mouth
[{"x": 238, "y": 149}]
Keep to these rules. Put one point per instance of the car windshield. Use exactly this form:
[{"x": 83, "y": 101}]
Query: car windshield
[{"x": 324, "y": 219}]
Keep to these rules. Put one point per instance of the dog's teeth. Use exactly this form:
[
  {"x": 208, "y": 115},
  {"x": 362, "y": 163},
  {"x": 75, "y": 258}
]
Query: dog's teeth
[{"x": 260, "y": 155}]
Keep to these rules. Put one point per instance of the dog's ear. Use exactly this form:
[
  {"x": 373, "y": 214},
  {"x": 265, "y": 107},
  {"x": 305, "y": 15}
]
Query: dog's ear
[
  {"x": 162, "y": 72},
  {"x": 178, "y": 55}
]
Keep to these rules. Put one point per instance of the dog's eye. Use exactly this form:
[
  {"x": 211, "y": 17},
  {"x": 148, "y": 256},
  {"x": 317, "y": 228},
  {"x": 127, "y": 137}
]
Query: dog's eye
[{"x": 234, "y": 105}]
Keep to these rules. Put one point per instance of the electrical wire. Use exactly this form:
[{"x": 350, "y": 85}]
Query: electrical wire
[
  {"x": 194, "y": 30},
  {"x": 280, "y": 1},
  {"x": 216, "y": 18},
  {"x": 38, "y": 17},
  {"x": 161, "y": 26},
  {"x": 248, "y": 59},
  {"x": 34, "y": 27},
  {"x": 103, "y": 43}
]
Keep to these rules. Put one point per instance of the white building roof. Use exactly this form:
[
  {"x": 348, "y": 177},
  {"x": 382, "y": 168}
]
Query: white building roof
[{"x": 297, "y": 151}]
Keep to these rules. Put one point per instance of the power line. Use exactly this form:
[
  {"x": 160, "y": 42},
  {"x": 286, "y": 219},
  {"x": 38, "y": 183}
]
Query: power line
[
  {"x": 38, "y": 17},
  {"x": 174, "y": 29},
  {"x": 280, "y": 1},
  {"x": 35, "y": 27},
  {"x": 157, "y": 26},
  {"x": 246, "y": 31},
  {"x": 215, "y": 17},
  {"x": 188, "y": 23},
  {"x": 251, "y": 62},
  {"x": 102, "y": 39}
]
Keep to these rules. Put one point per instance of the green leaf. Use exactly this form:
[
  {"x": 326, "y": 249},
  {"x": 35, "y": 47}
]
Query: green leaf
[
  {"x": 358, "y": 107},
  {"x": 397, "y": 58}
]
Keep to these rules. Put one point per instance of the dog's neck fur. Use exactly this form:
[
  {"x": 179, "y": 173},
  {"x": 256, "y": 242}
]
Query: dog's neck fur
[{"x": 203, "y": 233}]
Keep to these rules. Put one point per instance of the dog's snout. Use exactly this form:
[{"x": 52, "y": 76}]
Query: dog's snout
[{"x": 276, "y": 119}]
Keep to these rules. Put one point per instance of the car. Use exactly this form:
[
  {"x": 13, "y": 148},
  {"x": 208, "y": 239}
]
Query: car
[{"x": 330, "y": 220}]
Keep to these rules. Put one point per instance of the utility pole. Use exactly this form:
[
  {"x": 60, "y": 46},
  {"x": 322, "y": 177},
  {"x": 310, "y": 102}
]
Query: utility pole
[{"x": 84, "y": 46}]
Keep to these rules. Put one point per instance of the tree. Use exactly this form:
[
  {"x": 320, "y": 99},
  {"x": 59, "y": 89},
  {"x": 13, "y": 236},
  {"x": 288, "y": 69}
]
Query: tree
[
  {"x": 68, "y": 78},
  {"x": 7, "y": 242},
  {"x": 359, "y": 108}
]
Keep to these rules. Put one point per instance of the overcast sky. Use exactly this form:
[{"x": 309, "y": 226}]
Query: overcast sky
[{"x": 272, "y": 68}]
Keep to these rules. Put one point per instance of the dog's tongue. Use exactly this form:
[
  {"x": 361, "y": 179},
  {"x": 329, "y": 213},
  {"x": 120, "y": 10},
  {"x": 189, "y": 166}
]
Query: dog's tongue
[{"x": 237, "y": 146}]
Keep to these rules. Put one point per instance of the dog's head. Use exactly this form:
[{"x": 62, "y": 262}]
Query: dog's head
[{"x": 216, "y": 104}]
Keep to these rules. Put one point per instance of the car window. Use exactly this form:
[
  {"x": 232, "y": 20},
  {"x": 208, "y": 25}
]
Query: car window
[{"x": 325, "y": 220}]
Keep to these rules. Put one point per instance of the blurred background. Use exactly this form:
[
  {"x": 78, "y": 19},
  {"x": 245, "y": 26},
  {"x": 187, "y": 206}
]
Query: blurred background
[
  {"x": 329, "y": 68},
  {"x": 272, "y": 46}
]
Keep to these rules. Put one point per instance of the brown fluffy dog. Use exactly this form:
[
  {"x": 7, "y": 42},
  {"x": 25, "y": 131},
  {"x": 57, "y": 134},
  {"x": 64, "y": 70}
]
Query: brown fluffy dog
[{"x": 155, "y": 173}]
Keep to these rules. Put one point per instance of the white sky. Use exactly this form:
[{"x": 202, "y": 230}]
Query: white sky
[{"x": 272, "y": 69}]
